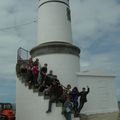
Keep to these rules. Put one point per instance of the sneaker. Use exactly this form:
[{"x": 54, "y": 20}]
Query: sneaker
[
  {"x": 48, "y": 111},
  {"x": 76, "y": 115}
]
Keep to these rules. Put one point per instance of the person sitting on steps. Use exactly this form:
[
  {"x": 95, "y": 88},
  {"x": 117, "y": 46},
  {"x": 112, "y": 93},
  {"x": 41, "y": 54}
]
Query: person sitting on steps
[
  {"x": 43, "y": 73},
  {"x": 49, "y": 78},
  {"x": 46, "y": 83},
  {"x": 29, "y": 69}
]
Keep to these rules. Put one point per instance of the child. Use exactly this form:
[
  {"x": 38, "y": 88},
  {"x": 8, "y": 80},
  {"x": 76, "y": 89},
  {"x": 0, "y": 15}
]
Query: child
[{"x": 68, "y": 108}]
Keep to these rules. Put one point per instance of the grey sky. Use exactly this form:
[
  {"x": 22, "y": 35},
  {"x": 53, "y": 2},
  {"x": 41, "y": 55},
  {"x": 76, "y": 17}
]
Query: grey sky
[{"x": 95, "y": 26}]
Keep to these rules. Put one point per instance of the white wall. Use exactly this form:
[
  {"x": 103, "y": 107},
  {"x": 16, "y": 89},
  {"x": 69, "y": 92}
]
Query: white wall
[
  {"x": 102, "y": 97},
  {"x": 30, "y": 106},
  {"x": 63, "y": 65},
  {"x": 52, "y": 23}
]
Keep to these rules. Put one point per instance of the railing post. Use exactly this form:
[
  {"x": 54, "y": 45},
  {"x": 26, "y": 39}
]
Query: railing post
[{"x": 20, "y": 53}]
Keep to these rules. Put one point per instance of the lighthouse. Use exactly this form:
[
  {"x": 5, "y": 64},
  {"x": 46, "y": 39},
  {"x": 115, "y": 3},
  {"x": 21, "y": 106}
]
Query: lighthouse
[
  {"x": 55, "y": 45},
  {"x": 56, "y": 48}
]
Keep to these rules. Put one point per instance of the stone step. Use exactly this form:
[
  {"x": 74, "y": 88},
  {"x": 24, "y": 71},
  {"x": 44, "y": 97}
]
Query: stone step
[
  {"x": 75, "y": 118},
  {"x": 46, "y": 97},
  {"x": 35, "y": 89},
  {"x": 40, "y": 93},
  {"x": 26, "y": 83},
  {"x": 30, "y": 86},
  {"x": 59, "y": 104},
  {"x": 83, "y": 117},
  {"x": 23, "y": 80}
]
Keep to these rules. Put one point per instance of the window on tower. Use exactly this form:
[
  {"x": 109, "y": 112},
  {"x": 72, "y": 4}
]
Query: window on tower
[{"x": 68, "y": 14}]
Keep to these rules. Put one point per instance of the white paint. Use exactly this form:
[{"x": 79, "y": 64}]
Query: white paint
[
  {"x": 30, "y": 106},
  {"x": 54, "y": 26},
  {"x": 63, "y": 65},
  {"x": 102, "y": 97},
  {"x": 52, "y": 22}
]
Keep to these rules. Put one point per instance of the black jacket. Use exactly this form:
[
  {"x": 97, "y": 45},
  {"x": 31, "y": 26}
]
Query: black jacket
[{"x": 83, "y": 95}]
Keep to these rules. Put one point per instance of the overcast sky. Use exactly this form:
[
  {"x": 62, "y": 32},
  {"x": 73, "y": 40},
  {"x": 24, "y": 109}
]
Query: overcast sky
[{"x": 96, "y": 30}]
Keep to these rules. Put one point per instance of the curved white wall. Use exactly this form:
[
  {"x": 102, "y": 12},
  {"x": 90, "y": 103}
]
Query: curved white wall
[
  {"x": 64, "y": 66},
  {"x": 30, "y": 106},
  {"x": 52, "y": 22}
]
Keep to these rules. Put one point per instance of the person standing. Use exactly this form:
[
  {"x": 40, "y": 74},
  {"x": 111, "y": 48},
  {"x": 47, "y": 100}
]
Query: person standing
[
  {"x": 29, "y": 71},
  {"x": 55, "y": 93},
  {"x": 68, "y": 108},
  {"x": 83, "y": 98},
  {"x": 43, "y": 73},
  {"x": 35, "y": 72},
  {"x": 74, "y": 99},
  {"x": 36, "y": 62}
]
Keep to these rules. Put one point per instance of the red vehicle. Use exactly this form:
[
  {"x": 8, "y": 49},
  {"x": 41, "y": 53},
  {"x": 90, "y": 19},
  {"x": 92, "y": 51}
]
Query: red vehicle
[{"x": 6, "y": 112}]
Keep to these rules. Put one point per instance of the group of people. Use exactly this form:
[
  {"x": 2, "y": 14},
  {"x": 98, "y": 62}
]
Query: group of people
[
  {"x": 35, "y": 74},
  {"x": 75, "y": 101},
  {"x": 72, "y": 100}
]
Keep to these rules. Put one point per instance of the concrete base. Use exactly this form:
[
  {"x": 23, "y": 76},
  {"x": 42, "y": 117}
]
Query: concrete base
[
  {"x": 101, "y": 116},
  {"x": 104, "y": 116},
  {"x": 102, "y": 97}
]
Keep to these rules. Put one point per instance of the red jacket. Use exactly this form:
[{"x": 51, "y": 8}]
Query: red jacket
[{"x": 35, "y": 70}]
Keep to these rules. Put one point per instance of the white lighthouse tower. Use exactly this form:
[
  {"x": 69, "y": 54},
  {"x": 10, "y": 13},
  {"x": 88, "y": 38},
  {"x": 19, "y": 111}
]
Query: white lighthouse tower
[{"x": 55, "y": 46}]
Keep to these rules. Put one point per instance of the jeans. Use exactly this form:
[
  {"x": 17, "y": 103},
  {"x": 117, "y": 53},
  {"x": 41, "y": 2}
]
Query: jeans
[
  {"x": 35, "y": 79},
  {"x": 52, "y": 99},
  {"x": 81, "y": 106},
  {"x": 68, "y": 116}
]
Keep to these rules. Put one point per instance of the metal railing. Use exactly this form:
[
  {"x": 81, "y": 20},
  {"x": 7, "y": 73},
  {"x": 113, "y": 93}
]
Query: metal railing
[{"x": 22, "y": 54}]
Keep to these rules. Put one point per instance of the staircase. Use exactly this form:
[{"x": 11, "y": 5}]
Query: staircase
[
  {"x": 33, "y": 100},
  {"x": 32, "y": 104}
]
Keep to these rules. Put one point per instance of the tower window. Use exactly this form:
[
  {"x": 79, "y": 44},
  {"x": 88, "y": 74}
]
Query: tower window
[{"x": 68, "y": 14}]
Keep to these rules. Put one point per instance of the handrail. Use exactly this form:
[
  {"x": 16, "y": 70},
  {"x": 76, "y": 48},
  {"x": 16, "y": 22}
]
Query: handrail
[
  {"x": 63, "y": 86},
  {"x": 20, "y": 51},
  {"x": 19, "y": 57},
  {"x": 24, "y": 49}
]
